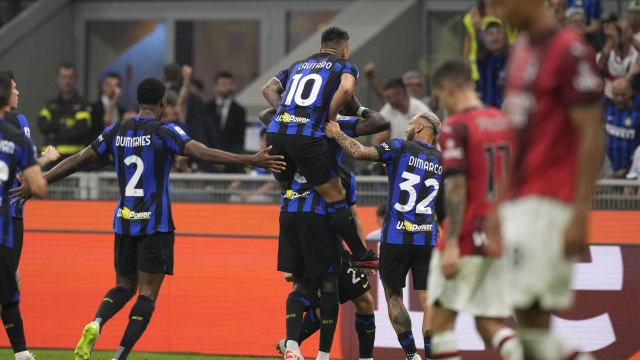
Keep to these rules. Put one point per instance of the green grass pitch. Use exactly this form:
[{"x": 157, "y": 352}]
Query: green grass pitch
[{"x": 107, "y": 355}]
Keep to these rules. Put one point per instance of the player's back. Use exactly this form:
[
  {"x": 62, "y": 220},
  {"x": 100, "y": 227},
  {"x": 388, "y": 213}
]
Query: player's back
[
  {"x": 16, "y": 151},
  {"x": 143, "y": 151},
  {"x": 309, "y": 86},
  {"x": 415, "y": 175},
  {"x": 477, "y": 143},
  {"x": 545, "y": 78}
]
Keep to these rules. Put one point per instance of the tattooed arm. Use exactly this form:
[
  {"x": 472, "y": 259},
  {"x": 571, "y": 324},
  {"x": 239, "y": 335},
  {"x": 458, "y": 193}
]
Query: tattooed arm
[
  {"x": 272, "y": 92},
  {"x": 354, "y": 148},
  {"x": 456, "y": 199}
]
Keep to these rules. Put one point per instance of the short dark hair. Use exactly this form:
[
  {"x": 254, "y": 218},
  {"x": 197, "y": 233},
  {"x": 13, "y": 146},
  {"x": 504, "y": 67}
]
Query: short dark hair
[
  {"x": 171, "y": 72},
  {"x": 333, "y": 37},
  {"x": 456, "y": 71},
  {"x": 395, "y": 84},
  {"x": 150, "y": 91},
  {"x": 5, "y": 89},
  {"x": 67, "y": 65},
  {"x": 381, "y": 210},
  {"x": 197, "y": 83},
  {"x": 9, "y": 73},
  {"x": 222, "y": 75},
  {"x": 114, "y": 75}
]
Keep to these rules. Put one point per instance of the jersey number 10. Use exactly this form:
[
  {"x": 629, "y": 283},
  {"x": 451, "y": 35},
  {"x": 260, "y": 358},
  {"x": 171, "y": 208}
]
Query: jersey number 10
[{"x": 298, "y": 84}]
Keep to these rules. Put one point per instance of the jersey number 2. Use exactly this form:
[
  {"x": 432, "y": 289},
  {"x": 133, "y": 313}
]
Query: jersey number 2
[
  {"x": 131, "y": 190},
  {"x": 297, "y": 87},
  {"x": 423, "y": 206}
]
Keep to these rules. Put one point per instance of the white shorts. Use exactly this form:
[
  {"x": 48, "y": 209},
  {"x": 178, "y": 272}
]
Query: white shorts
[
  {"x": 537, "y": 270},
  {"x": 479, "y": 288}
]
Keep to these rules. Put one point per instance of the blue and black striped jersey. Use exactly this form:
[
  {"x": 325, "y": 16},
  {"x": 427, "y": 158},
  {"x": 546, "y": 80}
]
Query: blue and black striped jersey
[
  {"x": 623, "y": 133},
  {"x": 302, "y": 197},
  {"x": 143, "y": 151},
  {"x": 309, "y": 86},
  {"x": 415, "y": 175},
  {"x": 16, "y": 152},
  {"x": 19, "y": 122}
]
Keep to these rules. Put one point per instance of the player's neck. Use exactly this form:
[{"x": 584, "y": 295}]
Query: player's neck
[
  {"x": 145, "y": 113},
  {"x": 329, "y": 51},
  {"x": 466, "y": 100},
  {"x": 540, "y": 24}
]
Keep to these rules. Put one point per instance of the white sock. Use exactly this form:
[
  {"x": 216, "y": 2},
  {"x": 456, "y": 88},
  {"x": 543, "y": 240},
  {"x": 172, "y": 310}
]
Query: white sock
[
  {"x": 25, "y": 353},
  {"x": 506, "y": 343},
  {"x": 366, "y": 359},
  {"x": 444, "y": 347},
  {"x": 293, "y": 346},
  {"x": 322, "y": 355},
  {"x": 540, "y": 344}
]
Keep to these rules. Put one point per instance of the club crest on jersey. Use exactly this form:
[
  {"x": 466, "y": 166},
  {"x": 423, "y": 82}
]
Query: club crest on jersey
[
  {"x": 127, "y": 214},
  {"x": 288, "y": 118},
  {"x": 291, "y": 195},
  {"x": 408, "y": 226},
  {"x": 27, "y": 131}
]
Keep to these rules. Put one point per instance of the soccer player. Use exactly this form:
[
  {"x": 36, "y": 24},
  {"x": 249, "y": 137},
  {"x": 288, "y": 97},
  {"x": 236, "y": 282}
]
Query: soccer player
[
  {"x": 410, "y": 228},
  {"x": 554, "y": 93},
  {"x": 11, "y": 316},
  {"x": 16, "y": 152},
  {"x": 308, "y": 247},
  {"x": 476, "y": 146},
  {"x": 306, "y": 95},
  {"x": 143, "y": 149},
  {"x": 352, "y": 284}
]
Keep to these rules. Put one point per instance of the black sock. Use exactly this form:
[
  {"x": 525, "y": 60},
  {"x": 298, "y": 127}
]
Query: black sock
[
  {"x": 366, "y": 330},
  {"x": 427, "y": 344},
  {"x": 342, "y": 221},
  {"x": 296, "y": 304},
  {"x": 408, "y": 344},
  {"x": 329, "y": 307},
  {"x": 310, "y": 324},
  {"x": 113, "y": 301},
  {"x": 12, "y": 320},
  {"x": 138, "y": 320}
]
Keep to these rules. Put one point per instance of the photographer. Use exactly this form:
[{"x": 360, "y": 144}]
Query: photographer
[{"x": 619, "y": 54}]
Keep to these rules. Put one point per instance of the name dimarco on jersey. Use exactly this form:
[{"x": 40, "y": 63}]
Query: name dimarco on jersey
[
  {"x": 127, "y": 214},
  {"x": 288, "y": 118},
  {"x": 427, "y": 166}
]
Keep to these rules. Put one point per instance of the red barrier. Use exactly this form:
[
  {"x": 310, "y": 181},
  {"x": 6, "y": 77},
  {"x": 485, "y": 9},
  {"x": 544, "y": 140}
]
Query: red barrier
[{"x": 226, "y": 296}]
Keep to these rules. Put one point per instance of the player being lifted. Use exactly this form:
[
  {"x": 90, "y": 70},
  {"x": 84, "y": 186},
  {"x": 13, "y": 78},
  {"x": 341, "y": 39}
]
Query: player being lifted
[
  {"x": 11, "y": 315},
  {"x": 554, "y": 92},
  {"x": 143, "y": 149},
  {"x": 476, "y": 146},
  {"x": 306, "y": 95},
  {"x": 16, "y": 152},
  {"x": 308, "y": 249},
  {"x": 410, "y": 230}
]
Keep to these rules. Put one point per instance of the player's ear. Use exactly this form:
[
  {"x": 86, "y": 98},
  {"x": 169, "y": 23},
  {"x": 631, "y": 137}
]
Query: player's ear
[{"x": 163, "y": 102}]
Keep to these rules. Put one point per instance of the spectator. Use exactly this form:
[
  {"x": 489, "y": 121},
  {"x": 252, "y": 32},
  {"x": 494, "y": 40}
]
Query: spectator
[
  {"x": 622, "y": 124},
  {"x": 576, "y": 20},
  {"x": 257, "y": 192},
  {"x": 380, "y": 214},
  {"x": 618, "y": 56},
  {"x": 171, "y": 113},
  {"x": 491, "y": 59},
  {"x": 634, "y": 18},
  {"x": 399, "y": 108},
  {"x": 194, "y": 113},
  {"x": 592, "y": 11},
  {"x": 229, "y": 117},
  {"x": 558, "y": 9},
  {"x": 65, "y": 121},
  {"x": 414, "y": 83},
  {"x": 197, "y": 88},
  {"x": 106, "y": 110}
]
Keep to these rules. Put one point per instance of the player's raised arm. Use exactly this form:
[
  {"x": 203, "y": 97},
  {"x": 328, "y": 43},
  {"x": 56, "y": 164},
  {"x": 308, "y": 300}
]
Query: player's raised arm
[
  {"x": 272, "y": 92},
  {"x": 353, "y": 147},
  {"x": 262, "y": 159}
]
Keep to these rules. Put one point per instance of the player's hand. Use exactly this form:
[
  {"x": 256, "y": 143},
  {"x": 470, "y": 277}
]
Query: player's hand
[
  {"x": 575, "y": 237},
  {"x": 288, "y": 277},
  {"x": 369, "y": 68},
  {"x": 493, "y": 231},
  {"x": 331, "y": 129},
  {"x": 186, "y": 73},
  {"x": 450, "y": 259},
  {"x": 352, "y": 106},
  {"x": 268, "y": 162},
  {"x": 51, "y": 154},
  {"x": 369, "y": 272},
  {"x": 23, "y": 193},
  {"x": 476, "y": 19},
  {"x": 116, "y": 93}
]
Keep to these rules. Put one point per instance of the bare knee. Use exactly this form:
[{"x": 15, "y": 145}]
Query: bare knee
[
  {"x": 487, "y": 327},
  {"x": 332, "y": 190},
  {"x": 364, "y": 304},
  {"x": 128, "y": 282},
  {"x": 442, "y": 319},
  {"x": 329, "y": 283}
]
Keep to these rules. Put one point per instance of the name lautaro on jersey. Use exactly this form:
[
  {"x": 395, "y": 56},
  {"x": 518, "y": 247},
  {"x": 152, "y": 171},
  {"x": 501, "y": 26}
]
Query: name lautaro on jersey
[
  {"x": 408, "y": 226},
  {"x": 314, "y": 65},
  {"x": 425, "y": 165},
  {"x": 133, "y": 141}
]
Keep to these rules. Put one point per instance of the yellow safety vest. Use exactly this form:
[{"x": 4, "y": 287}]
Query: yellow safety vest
[{"x": 512, "y": 33}]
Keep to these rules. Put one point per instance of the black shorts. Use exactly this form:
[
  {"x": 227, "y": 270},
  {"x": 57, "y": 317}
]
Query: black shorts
[
  {"x": 351, "y": 285},
  {"x": 8, "y": 285},
  {"x": 397, "y": 259},
  {"x": 311, "y": 156},
  {"x": 151, "y": 254},
  {"x": 308, "y": 245},
  {"x": 18, "y": 240}
]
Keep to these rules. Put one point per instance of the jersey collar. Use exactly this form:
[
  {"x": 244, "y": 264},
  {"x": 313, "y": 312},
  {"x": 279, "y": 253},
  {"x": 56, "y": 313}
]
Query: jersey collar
[
  {"x": 425, "y": 144},
  {"x": 137, "y": 118}
]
